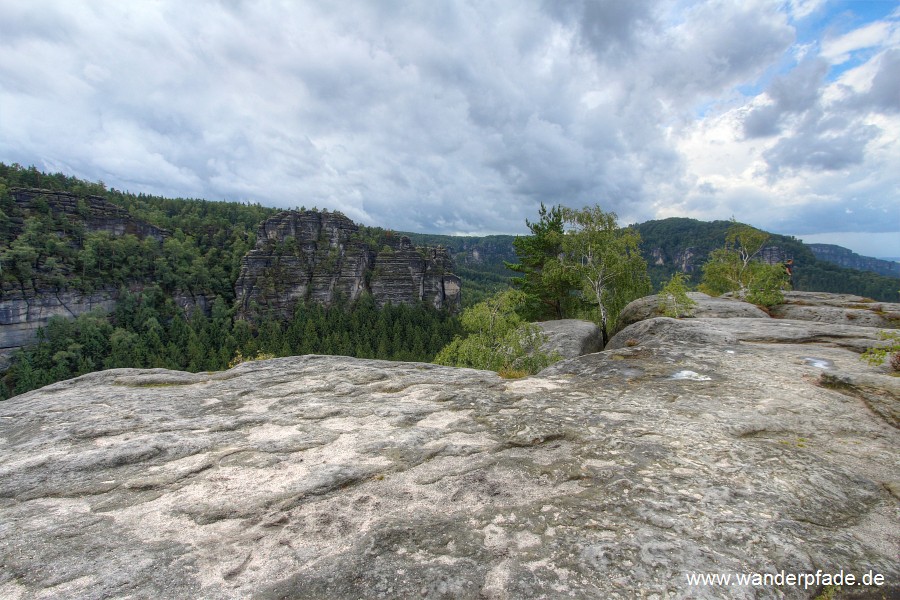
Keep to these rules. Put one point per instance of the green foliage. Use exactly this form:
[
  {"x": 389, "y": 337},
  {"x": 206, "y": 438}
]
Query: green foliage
[
  {"x": 543, "y": 279},
  {"x": 766, "y": 284},
  {"x": 45, "y": 247},
  {"x": 682, "y": 243},
  {"x": 605, "y": 261},
  {"x": 673, "y": 299},
  {"x": 730, "y": 269},
  {"x": 240, "y": 358},
  {"x": 736, "y": 268},
  {"x": 497, "y": 338},
  {"x": 149, "y": 330},
  {"x": 877, "y": 355}
]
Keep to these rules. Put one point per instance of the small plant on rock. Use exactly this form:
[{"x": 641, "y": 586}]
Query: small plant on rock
[
  {"x": 890, "y": 352},
  {"x": 240, "y": 358}
]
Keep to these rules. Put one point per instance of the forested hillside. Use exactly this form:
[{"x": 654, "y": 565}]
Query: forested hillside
[
  {"x": 679, "y": 244},
  {"x": 44, "y": 247},
  {"x": 171, "y": 264},
  {"x": 480, "y": 261},
  {"x": 167, "y": 268}
]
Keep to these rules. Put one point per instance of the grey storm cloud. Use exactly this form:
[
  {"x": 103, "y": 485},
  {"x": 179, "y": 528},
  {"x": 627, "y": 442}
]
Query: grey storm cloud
[
  {"x": 793, "y": 93},
  {"x": 430, "y": 116},
  {"x": 822, "y": 143},
  {"x": 884, "y": 95}
]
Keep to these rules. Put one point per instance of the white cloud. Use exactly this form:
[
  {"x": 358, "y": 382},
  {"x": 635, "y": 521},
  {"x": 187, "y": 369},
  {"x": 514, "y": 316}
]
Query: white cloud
[
  {"x": 454, "y": 117},
  {"x": 838, "y": 50}
]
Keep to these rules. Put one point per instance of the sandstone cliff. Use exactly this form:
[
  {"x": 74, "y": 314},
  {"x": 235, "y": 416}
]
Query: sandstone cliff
[
  {"x": 27, "y": 306},
  {"x": 95, "y": 213},
  {"x": 320, "y": 257},
  {"x": 707, "y": 445}
]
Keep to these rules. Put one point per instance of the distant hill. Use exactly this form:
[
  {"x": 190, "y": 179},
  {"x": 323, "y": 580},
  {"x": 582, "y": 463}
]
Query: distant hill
[
  {"x": 680, "y": 244},
  {"x": 677, "y": 244},
  {"x": 843, "y": 257},
  {"x": 479, "y": 261}
]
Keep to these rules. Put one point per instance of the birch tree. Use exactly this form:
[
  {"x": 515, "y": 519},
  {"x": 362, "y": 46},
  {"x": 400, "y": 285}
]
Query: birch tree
[{"x": 606, "y": 261}]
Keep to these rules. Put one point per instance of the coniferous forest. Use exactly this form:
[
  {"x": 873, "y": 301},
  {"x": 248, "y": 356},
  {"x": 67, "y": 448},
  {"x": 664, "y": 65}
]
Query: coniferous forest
[
  {"x": 42, "y": 251},
  {"x": 175, "y": 298}
]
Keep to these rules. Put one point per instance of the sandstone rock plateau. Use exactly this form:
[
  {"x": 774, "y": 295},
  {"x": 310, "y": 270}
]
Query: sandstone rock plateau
[{"x": 689, "y": 446}]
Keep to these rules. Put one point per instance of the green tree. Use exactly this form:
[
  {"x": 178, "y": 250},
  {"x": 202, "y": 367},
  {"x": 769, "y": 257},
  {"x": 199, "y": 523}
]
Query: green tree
[
  {"x": 736, "y": 268},
  {"x": 606, "y": 262},
  {"x": 546, "y": 284},
  {"x": 497, "y": 339},
  {"x": 673, "y": 299}
]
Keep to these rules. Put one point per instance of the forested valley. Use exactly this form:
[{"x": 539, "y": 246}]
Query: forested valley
[
  {"x": 174, "y": 284},
  {"x": 43, "y": 251}
]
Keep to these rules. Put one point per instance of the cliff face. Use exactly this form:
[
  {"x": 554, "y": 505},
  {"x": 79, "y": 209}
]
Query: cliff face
[
  {"x": 27, "y": 307},
  {"x": 691, "y": 259},
  {"x": 96, "y": 213},
  {"x": 22, "y": 313},
  {"x": 321, "y": 257},
  {"x": 846, "y": 258}
]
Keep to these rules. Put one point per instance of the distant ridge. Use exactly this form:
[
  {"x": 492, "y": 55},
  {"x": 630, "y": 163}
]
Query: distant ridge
[{"x": 847, "y": 258}]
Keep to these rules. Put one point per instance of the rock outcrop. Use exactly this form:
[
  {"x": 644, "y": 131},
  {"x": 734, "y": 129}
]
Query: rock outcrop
[
  {"x": 571, "y": 338},
  {"x": 22, "y": 313},
  {"x": 94, "y": 212},
  {"x": 320, "y": 257},
  {"x": 839, "y": 309},
  {"x": 618, "y": 474},
  {"x": 706, "y": 306},
  {"x": 821, "y": 307}
]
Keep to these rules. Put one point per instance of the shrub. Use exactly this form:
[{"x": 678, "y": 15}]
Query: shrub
[
  {"x": 240, "y": 358},
  {"x": 498, "y": 339},
  {"x": 890, "y": 352},
  {"x": 673, "y": 299}
]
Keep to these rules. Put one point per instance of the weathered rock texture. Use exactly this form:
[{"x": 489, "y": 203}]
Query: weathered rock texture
[
  {"x": 319, "y": 257},
  {"x": 821, "y": 307},
  {"x": 611, "y": 475},
  {"x": 571, "y": 338},
  {"x": 840, "y": 309},
  {"x": 706, "y": 306},
  {"x": 22, "y": 313}
]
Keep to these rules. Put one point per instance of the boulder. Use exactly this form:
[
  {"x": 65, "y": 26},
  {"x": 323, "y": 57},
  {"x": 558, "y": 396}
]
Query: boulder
[
  {"x": 571, "y": 337},
  {"x": 707, "y": 306},
  {"x": 618, "y": 474}
]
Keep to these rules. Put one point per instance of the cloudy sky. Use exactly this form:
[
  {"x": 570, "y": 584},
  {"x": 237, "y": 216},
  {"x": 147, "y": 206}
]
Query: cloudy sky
[{"x": 461, "y": 117}]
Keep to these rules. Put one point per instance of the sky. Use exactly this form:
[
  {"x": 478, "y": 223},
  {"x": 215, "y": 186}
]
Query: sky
[{"x": 463, "y": 117}]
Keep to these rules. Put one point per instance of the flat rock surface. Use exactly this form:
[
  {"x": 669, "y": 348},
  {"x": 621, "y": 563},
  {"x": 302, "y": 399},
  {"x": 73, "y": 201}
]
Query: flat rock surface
[
  {"x": 571, "y": 337},
  {"x": 706, "y": 306},
  {"x": 840, "y": 309},
  {"x": 730, "y": 331},
  {"x": 612, "y": 475}
]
